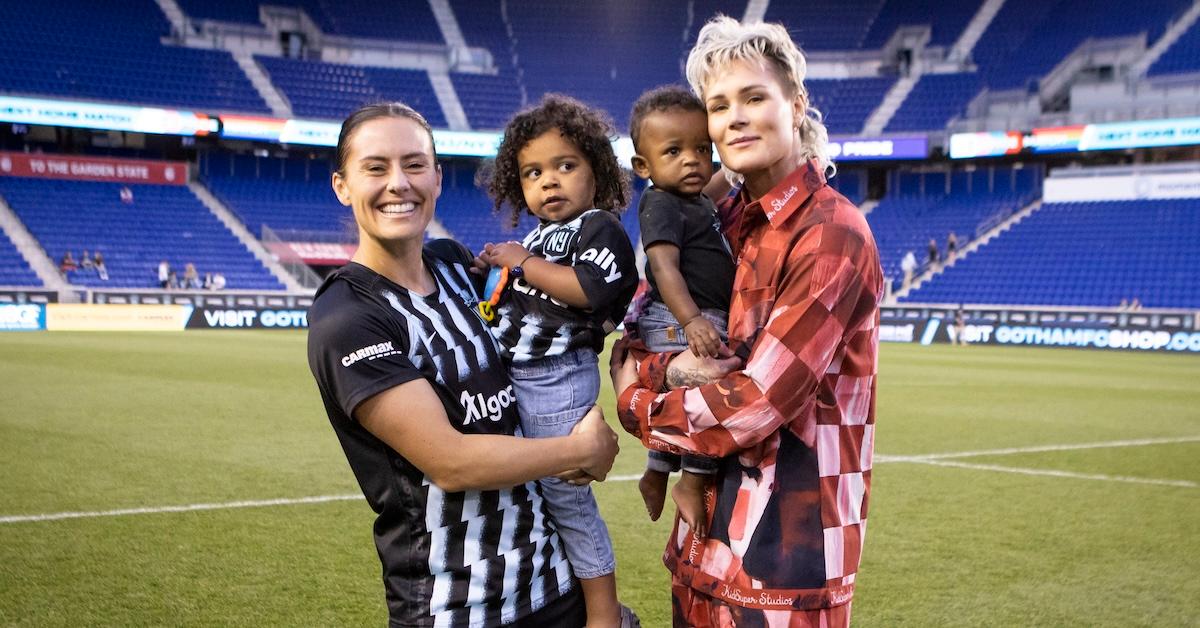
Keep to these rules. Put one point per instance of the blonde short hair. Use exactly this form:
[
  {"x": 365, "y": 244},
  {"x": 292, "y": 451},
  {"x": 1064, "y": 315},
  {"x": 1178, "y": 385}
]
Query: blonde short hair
[{"x": 724, "y": 40}]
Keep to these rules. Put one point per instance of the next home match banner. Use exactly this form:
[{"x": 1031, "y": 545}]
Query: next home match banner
[{"x": 93, "y": 168}]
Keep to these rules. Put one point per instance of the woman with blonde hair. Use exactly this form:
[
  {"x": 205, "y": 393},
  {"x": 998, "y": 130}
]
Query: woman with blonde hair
[{"x": 792, "y": 413}]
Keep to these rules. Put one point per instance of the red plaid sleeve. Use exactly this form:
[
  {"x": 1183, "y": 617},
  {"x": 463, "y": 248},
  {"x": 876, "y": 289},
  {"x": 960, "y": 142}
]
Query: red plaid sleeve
[{"x": 824, "y": 288}]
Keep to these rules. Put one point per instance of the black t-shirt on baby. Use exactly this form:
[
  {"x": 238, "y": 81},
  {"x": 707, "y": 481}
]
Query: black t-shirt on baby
[{"x": 691, "y": 224}]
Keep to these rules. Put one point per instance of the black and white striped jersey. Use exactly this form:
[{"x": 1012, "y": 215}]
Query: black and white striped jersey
[
  {"x": 533, "y": 325},
  {"x": 474, "y": 558}
]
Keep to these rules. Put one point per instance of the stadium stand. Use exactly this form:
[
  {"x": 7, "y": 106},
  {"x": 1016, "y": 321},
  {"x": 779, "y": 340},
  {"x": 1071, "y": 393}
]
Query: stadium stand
[
  {"x": 1093, "y": 254},
  {"x": 1028, "y": 38},
  {"x": 1183, "y": 56},
  {"x": 284, "y": 194},
  {"x": 825, "y": 24},
  {"x": 487, "y": 100},
  {"x": 946, "y": 20},
  {"x": 14, "y": 270},
  {"x": 920, "y": 206},
  {"x": 331, "y": 91},
  {"x": 846, "y": 103},
  {"x": 162, "y": 222},
  {"x": 934, "y": 101},
  {"x": 603, "y": 56},
  {"x": 70, "y": 49},
  {"x": 351, "y": 18}
]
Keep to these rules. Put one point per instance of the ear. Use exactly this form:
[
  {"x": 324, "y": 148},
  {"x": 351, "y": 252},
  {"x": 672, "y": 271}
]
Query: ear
[
  {"x": 799, "y": 110},
  {"x": 437, "y": 193},
  {"x": 340, "y": 189},
  {"x": 641, "y": 167}
]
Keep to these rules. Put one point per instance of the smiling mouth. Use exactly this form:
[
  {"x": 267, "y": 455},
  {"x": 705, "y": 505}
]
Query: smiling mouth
[
  {"x": 742, "y": 140},
  {"x": 398, "y": 209}
]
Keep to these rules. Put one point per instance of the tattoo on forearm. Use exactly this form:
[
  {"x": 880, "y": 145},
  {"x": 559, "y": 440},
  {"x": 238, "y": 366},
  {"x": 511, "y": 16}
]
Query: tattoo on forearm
[{"x": 680, "y": 378}]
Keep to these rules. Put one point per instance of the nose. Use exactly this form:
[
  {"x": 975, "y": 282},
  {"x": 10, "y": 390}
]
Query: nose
[
  {"x": 398, "y": 181},
  {"x": 549, "y": 181},
  {"x": 737, "y": 116}
]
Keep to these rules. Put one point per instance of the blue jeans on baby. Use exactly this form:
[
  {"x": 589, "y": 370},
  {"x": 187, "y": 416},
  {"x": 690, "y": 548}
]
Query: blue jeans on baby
[
  {"x": 661, "y": 333},
  {"x": 553, "y": 394}
]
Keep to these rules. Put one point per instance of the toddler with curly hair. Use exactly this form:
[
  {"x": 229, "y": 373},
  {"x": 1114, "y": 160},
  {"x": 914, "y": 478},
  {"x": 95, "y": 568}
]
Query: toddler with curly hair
[{"x": 574, "y": 276}]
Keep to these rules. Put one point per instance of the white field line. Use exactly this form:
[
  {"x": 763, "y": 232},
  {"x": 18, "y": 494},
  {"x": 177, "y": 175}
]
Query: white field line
[
  {"x": 319, "y": 499},
  {"x": 1037, "y": 449},
  {"x": 939, "y": 459},
  {"x": 1058, "y": 474}
]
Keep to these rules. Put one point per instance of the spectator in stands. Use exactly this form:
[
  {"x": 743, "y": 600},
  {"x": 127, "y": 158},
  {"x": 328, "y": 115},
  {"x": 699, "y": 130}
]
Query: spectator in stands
[
  {"x": 794, "y": 423},
  {"x": 909, "y": 266},
  {"x": 68, "y": 263},
  {"x": 421, "y": 452},
  {"x": 1135, "y": 305},
  {"x": 85, "y": 262},
  {"x": 218, "y": 282},
  {"x": 164, "y": 274},
  {"x": 960, "y": 326},
  {"x": 191, "y": 278},
  {"x": 126, "y": 195},
  {"x": 951, "y": 246},
  {"x": 1124, "y": 305},
  {"x": 101, "y": 269},
  {"x": 172, "y": 281},
  {"x": 933, "y": 252}
]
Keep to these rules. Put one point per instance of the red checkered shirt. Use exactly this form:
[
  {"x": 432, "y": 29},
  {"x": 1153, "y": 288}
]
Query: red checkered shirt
[{"x": 796, "y": 426}]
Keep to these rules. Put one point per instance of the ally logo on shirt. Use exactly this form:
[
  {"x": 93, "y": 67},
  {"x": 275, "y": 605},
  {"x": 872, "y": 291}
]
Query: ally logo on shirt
[
  {"x": 479, "y": 407},
  {"x": 605, "y": 259}
]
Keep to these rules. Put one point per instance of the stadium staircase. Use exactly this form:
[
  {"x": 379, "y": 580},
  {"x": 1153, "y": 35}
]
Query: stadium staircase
[
  {"x": 755, "y": 10},
  {"x": 1174, "y": 32},
  {"x": 239, "y": 230},
  {"x": 961, "y": 50},
  {"x": 452, "y": 108},
  {"x": 261, "y": 82},
  {"x": 27, "y": 246},
  {"x": 891, "y": 103},
  {"x": 974, "y": 245}
]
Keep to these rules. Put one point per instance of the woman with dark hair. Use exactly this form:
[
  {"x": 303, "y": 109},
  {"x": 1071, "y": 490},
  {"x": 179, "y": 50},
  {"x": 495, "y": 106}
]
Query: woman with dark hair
[{"x": 415, "y": 389}]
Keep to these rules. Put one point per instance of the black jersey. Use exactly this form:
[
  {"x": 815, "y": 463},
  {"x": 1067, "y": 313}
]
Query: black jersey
[
  {"x": 473, "y": 558},
  {"x": 692, "y": 226},
  {"x": 534, "y": 325}
]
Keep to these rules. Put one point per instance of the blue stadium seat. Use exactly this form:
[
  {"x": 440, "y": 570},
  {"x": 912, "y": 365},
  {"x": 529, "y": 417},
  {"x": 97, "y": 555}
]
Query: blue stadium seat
[
  {"x": 163, "y": 222},
  {"x": 1086, "y": 254}
]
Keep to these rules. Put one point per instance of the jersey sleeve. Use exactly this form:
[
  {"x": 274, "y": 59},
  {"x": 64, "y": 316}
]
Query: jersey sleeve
[
  {"x": 659, "y": 219},
  {"x": 356, "y": 353},
  {"x": 605, "y": 263}
]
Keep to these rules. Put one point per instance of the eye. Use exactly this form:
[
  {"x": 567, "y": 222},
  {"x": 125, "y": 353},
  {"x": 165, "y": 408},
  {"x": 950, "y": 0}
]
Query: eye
[
  {"x": 718, "y": 108},
  {"x": 704, "y": 149},
  {"x": 672, "y": 151},
  {"x": 376, "y": 169},
  {"x": 754, "y": 98},
  {"x": 533, "y": 173},
  {"x": 416, "y": 166},
  {"x": 566, "y": 166}
]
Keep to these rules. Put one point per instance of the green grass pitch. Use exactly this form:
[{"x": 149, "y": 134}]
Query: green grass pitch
[{"x": 979, "y": 514}]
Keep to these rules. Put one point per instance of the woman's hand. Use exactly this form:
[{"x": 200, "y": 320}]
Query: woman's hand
[
  {"x": 686, "y": 370},
  {"x": 600, "y": 443}
]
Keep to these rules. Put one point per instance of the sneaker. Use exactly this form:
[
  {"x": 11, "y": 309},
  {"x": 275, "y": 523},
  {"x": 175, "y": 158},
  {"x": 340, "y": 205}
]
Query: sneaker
[{"x": 629, "y": 619}]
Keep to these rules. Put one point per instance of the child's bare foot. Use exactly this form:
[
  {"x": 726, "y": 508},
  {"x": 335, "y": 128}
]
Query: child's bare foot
[
  {"x": 688, "y": 494},
  {"x": 653, "y": 487}
]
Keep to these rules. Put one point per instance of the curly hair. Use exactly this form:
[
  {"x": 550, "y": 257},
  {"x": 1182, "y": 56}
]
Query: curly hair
[
  {"x": 588, "y": 129},
  {"x": 660, "y": 99}
]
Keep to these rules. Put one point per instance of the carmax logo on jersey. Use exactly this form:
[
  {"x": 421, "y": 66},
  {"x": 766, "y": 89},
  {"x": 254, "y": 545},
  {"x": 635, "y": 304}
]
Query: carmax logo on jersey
[
  {"x": 369, "y": 353},
  {"x": 477, "y": 405}
]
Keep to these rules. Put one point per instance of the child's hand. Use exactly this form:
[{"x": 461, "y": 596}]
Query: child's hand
[
  {"x": 702, "y": 337},
  {"x": 478, "y": 266},
  {"x": 508, "y": 254}
]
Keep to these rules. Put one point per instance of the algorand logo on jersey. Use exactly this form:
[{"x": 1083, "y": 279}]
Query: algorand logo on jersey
[
  {"x": 370, "y": 352},
  {"x": 479, "y": 407}
]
